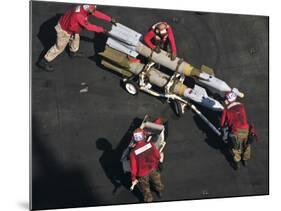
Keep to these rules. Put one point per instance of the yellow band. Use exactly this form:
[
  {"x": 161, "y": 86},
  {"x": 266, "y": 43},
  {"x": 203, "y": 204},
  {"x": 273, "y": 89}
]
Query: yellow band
[{"x": 187, "y": 69}]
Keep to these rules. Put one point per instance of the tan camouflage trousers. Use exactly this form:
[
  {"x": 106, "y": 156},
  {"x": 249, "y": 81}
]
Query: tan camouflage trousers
[
  {"x": 241, "y": 150},
  {"x": 63, "y": 39},
  {"x": 144, "y": 185}
]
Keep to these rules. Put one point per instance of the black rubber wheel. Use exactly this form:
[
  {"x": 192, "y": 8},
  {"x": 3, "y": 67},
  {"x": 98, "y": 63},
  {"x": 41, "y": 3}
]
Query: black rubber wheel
[{"x": 131, "y": 87}]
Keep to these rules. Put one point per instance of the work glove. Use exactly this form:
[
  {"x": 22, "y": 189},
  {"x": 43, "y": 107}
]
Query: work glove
[
  {"x": 133, "y": 184},
  {"x": 251, "y": 138},
  {"x": 161, "y": 157},
  {"x": 113, "y": 21},
  {"x": 173, "y": 56},
  {"x": 224, "y": 134},
  {"x": 157, "y": 49}
]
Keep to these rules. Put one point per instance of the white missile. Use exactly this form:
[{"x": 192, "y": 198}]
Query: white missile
[
  {"x": 119, "y": 62},
  {"x": 129, "y": 42}
]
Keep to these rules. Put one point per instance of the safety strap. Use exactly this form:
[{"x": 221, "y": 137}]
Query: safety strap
[
  {"x": 150, "y": 56},
  {"x": 171, "y": 82},
  {"x": 178, "y": 64}
]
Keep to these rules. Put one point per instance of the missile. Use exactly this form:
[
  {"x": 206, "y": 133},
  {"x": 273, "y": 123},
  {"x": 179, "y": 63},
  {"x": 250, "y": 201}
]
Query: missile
[
  {"x": 119, "y": 62},
  {"x": 128, "y": 41}
]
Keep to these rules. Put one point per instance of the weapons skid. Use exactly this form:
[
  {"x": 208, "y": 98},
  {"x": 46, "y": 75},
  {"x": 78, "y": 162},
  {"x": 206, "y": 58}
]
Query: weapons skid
[
  {"x": 185, "y": 102},
  {"x": 118, "y": 61},
  {"x": 194, "y": 108},
  {"x": 124, "y": 42}
]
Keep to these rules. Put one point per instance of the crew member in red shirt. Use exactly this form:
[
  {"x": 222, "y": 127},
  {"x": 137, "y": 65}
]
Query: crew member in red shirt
[
  {"x": 161, "y": 36},
  {"x": 68, "y": 29},
  {"x": 144, "y": 160},
  {"x": 234, "y": 116}
]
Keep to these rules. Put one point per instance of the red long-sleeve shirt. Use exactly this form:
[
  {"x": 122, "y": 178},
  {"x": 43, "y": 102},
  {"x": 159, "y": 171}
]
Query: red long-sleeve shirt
[
  {"x": 235, "y": 116},
  {"x": 77, "y": 18},
  {"x": 151, "y": 36},
  {"x": 144, "y": 158}
]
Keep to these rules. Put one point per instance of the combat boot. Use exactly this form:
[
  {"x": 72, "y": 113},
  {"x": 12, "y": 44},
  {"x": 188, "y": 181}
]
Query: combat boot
[
  {"x": 45, "y": 65},
  {"x": 147, "y": 197},
  {"x": 159, "y": 194},
  {"x": 236, "y": 165},
  {"x": 76, "y": 54},
  {"x": 245, "y": 163}
]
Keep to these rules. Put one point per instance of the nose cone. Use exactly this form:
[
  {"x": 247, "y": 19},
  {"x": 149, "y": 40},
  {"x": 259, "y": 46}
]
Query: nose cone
[
  {"x": 212, "y": 104},
  {"x": 199, "y": 95},
  {"x": 213, "y": 82}
]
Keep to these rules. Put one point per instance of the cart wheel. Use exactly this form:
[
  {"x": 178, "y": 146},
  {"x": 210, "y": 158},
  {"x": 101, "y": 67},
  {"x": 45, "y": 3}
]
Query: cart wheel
[
  {"x": 131, "y": 87},
  {"x": 178, "y": 108}
]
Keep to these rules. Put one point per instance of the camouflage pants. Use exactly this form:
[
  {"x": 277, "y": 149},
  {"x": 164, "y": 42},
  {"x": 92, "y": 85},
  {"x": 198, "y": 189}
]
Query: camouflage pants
[
  {"x": 241, "y": 149},
  {"x": 144, "y": 185},
  {"x": 63, "y": 39}
]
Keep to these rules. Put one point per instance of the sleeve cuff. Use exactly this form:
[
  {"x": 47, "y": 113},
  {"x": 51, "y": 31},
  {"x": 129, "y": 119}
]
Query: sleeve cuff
[{"x": 133, "y": 177}]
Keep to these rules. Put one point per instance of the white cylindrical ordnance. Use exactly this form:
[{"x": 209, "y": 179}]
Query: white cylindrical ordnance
[
  {"x": 187, "y": 69},
  {"x": 155, "y": 76},
  {"x": 128, "y": 41},
  {"x": 114, "y": 58},
  {"x": 160, "y": 79},
  {"x": 183, "y": 67}
]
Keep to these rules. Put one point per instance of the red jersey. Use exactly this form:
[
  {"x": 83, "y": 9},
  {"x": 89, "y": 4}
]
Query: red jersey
[
  {"x": 235, "y": 116},
  {"x": 153, "y": 37},
  {"x": 77, "y": 18},
  {"x": 144, "y": 158}
]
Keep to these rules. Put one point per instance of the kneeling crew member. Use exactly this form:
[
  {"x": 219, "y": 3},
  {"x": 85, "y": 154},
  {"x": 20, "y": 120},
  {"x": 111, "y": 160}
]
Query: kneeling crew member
[{"x": 160, "y": 36}]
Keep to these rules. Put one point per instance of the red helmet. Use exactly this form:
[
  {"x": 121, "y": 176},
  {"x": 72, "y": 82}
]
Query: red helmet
[
  {"x": 158, "y": 121},
  {"x": 230, "y": 96},
  {"x": 139, "y": 135}
]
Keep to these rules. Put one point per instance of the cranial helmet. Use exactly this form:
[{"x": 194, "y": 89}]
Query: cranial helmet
[
  {"x": 160, "y": 28},
  {"x": 138, "y": 135},
  {"x": 88, "y": 7},
  {"x": 158, "y": 121},
  {"x": 230, "y": 96}
]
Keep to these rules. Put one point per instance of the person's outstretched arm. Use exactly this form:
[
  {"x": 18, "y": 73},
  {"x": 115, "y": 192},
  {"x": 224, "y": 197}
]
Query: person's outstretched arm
[
  {"x": 101, "y": 15},
  {"x": 87, "y": 25}
]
